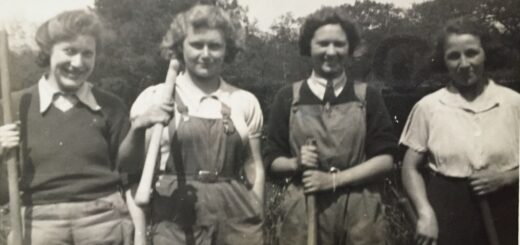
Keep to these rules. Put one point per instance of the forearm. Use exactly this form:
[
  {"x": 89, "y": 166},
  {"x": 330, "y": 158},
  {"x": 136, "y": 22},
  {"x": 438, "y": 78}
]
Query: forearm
[
  {"x": 259, "y": 183},
  {"x": 413, "y": 182},
  {"x": 366, "y": 171},
  {"x": 285, "y": 166},
  {"x": 132, "y": 147}
]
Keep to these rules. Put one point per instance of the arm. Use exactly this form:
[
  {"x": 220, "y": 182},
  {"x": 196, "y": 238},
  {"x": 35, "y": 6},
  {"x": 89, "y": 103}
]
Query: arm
[
  {"x": 427, "y": 228},
  {"x": 254, "y": 163},
  {"x": 277, "y": 151},
  {"x": 358, "y": 175}
]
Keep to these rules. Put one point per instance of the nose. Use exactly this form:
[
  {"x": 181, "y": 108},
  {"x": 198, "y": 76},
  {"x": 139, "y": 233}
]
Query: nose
[
  {"x": 464, "y": 62},
  {"x": 331, "y": 50},
  {"x": 77, "y": 60},
  {"x": 205, "y": 51}
]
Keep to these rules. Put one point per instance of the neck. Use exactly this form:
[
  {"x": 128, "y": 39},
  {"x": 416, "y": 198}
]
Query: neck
[
  {"x": 328, "y": 76},
  {"x": 470, "y": 93},
  {"x": 207, "y": 85}
]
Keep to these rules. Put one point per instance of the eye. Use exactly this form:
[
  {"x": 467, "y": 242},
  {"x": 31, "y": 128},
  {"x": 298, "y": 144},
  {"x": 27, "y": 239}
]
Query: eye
[
  {"x": 197, "y": 45},
  {"x": 88, "y": 54},
  {"x": 70, "y": 51},
  {"x": 340, "y": 44},
  {"x": 215, "y": 46},
  {"x": 452, "y": 55},
  {"x": 472, "y": 52}
]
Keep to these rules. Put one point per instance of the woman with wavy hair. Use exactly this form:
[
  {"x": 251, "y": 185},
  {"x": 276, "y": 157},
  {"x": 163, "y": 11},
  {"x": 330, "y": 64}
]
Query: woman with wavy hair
[
  {"x": 467, "y": 137},
  {"x": 330, "y": 136},
  {"x": 210, "y": 181}
]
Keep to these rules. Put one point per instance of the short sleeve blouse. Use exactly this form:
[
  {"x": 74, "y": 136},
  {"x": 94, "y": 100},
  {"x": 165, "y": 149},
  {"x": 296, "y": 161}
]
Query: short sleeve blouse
[{"x": 462, "y": 138}]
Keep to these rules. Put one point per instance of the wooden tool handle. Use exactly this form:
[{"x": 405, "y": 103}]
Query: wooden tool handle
[
  {"x": 142, "y": 195},
  {"x": 10, "y": 155}
]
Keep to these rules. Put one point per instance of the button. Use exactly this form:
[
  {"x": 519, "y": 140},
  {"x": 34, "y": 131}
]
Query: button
[{"x": 60, "y": 143}]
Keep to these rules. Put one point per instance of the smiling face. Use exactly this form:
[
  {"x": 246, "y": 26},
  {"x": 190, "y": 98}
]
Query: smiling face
[
  {"x": 204, "y": 51},
  {"x": 464, "y": 58},
  {"x": 329, "y": 50},
  {"x": 72, "y": 62}
]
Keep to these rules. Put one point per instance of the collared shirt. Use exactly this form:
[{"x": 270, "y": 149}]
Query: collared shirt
[
  {"x": 462, "y": 138},
  {"x": 48, "y": 95},
  {"x": 246, "y": 113},
  {"x": 318, "y": 84}
]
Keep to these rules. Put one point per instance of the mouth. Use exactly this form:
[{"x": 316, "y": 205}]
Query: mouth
[{"x": 73, "y": 73}]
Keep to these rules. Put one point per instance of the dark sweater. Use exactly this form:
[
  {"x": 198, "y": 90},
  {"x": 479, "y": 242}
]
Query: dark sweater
[
  {"x": 70, "y": 156},
  {"x": 379, "y": 138}
]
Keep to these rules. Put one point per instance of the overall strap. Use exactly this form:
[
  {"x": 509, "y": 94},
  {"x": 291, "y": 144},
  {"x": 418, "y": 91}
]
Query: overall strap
[
  {"x": 172, "y": 126},
  {"x": 296, "y": 87},
  {"x": 25, "y": 102},
  {"x": 360, "y": 89}
]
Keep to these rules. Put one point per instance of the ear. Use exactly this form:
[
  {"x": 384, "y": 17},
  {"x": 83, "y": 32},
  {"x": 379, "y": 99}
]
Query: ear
[{"x": 361, "y": 49}]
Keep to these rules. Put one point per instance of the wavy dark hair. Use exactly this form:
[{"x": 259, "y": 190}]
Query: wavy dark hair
[
  {"x": 325, "y": 16},
  {"x": 202, "y": 16},
  {"x": 493, "y": 48},
  {"x": 65, "y": 26}
]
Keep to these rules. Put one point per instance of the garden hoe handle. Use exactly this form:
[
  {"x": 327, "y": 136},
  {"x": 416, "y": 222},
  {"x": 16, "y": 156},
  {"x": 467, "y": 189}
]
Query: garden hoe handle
[
  {"x": 143, "y": 193},
  {"x": 10, "y": 156},
  {"x": 488, "y": 222},
  {"x": 312, "y": 221}
]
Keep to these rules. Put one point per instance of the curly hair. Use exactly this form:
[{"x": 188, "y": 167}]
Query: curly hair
[
  {"x": 65, "y": 26},
  {"x": 325, "y": 16},
  {"x": 467, "y": 25},
  {"x": 202, "y": 16}
]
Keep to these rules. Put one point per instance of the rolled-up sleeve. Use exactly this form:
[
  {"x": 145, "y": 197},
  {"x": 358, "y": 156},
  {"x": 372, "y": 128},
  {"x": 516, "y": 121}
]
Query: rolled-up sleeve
[{"x": 415, "y": 132}]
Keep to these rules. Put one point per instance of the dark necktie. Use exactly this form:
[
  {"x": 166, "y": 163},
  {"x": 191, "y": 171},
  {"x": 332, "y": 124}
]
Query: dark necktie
[{"x": 329, "y": 92}]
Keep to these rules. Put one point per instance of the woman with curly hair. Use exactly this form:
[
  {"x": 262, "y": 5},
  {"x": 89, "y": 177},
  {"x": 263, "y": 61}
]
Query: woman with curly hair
[
  {"x": 210, "y": 181},
  {"x": 69, "y": 134},
  {"x": 467, "y": 136}
]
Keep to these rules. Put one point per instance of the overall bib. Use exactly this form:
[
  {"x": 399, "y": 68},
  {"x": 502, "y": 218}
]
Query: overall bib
[
  {"x": 201, "y": 195},
  {"x": 350, "y": 215}
]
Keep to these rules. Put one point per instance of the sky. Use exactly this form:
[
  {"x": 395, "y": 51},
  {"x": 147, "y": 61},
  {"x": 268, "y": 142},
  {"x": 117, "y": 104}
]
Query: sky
[{"x": 30, "y": 13}]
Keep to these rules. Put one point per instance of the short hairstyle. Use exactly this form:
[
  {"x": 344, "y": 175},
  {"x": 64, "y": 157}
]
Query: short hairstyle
[
  {"x": 64, "y": 26},
  {"x": 202, "y": 16},
  {"x": 325, "y": 16},
  {"x": 466, "y": 25}
]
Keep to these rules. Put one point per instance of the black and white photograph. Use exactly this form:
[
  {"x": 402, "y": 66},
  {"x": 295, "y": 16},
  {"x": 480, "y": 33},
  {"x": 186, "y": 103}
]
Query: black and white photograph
[{"x": 259, "y": 122}]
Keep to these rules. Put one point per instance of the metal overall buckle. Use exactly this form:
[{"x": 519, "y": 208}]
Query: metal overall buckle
[{"x": 207, "y": 176}]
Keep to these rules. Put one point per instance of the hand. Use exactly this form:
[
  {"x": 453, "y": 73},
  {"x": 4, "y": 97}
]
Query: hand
[
  {"x": 159, "y": 113},
  {"x": 309, "y": 156},
  {"x": 315, "y": 180},
  {"x": 427, "y": 229},
  {"x": 488, "y": 182},
  {"x": 10, "y": 135}
]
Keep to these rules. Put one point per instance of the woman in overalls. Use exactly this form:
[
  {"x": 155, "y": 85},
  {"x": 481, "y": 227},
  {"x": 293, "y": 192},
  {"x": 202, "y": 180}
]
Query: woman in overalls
[
  {"x": 210, "y": 180},
  {"x": 352, "y": 140}
]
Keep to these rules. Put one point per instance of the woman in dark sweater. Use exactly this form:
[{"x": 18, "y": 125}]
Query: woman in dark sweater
[
  {"x": 70, "y": 133},
  {"x": 353, "y": 141}
]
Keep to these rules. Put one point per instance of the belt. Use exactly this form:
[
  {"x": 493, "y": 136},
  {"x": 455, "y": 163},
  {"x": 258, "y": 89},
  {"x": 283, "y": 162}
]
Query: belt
[{"x": 203, "y": 176}]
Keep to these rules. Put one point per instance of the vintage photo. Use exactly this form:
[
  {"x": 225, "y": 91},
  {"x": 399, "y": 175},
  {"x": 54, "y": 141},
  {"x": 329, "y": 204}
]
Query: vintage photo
[{"x": 262, "y": 122}]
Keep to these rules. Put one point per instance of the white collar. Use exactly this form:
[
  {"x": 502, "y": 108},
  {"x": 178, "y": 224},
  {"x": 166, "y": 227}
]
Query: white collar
[
  {"x": 84, "y": 94},
  {"x": 318, "y": 84}
]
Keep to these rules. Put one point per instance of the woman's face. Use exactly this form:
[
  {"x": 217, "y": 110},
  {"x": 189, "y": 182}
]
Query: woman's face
[
  {"x": 72, "y": 62},
  {"x": 329, "y": 50},
  {"x": 464, "y": 58},
  {"x": 204, "y": 51}
]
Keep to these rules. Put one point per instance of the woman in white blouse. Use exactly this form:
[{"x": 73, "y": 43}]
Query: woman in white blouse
[{"x": 468, "y": 136}]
